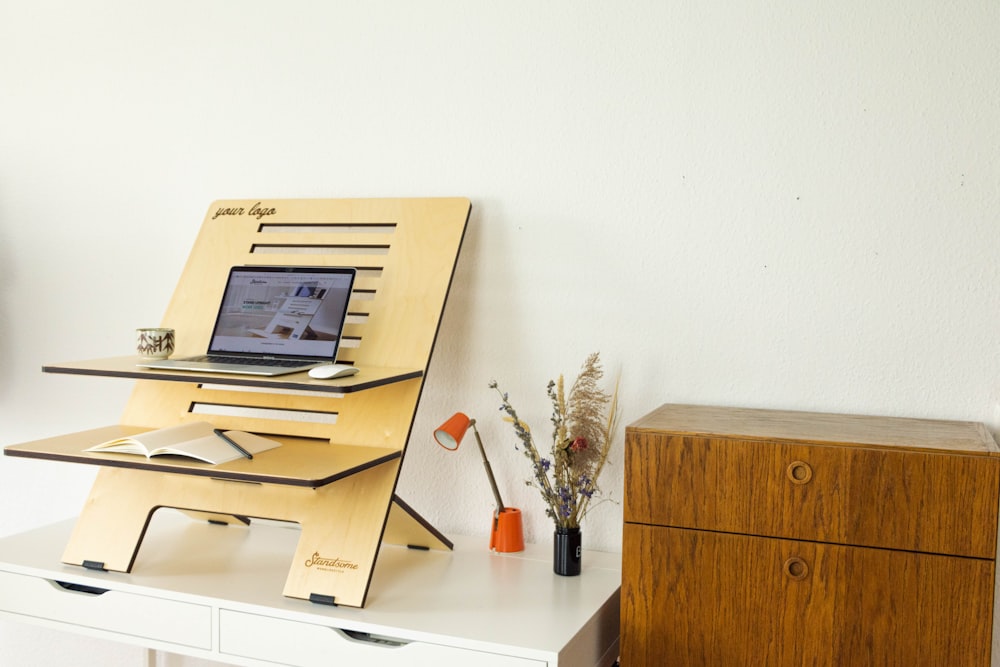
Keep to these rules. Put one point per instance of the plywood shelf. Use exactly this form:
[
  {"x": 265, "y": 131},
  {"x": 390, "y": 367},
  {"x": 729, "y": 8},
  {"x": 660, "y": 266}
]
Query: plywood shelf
[
  {"x": 298, "y": 462},
  {"x": 368, "y": 377}
]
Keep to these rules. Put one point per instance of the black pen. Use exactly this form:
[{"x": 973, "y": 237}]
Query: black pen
[{"x": 219, "y": 432}]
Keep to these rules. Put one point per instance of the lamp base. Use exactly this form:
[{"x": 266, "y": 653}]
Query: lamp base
[{"x": 507, "y": 535}]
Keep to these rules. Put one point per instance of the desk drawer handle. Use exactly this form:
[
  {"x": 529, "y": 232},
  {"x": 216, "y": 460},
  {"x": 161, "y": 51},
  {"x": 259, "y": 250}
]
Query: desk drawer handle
[
  {"x": 81, "y": 588},
  {"x": 796, "y": 569},
  {"x": 799, "y": 472}
]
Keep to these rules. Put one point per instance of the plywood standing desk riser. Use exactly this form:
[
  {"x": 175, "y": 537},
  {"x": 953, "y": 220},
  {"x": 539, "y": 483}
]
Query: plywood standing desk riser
[{"x": 342, "y": 441}]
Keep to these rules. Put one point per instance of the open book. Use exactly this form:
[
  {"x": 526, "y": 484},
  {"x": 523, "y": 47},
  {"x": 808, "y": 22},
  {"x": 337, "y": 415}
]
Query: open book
[{"x": 196, "y": 440}]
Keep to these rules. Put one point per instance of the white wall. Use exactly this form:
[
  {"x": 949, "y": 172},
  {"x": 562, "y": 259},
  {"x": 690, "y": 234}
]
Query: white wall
[{"x": 780, "y": 204}]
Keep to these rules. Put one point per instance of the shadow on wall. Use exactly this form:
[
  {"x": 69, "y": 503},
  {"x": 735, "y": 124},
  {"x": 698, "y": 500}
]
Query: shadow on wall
[
  {"x": 6, "y": 281},
  {"x": 455, "y": 349},
  {"x": 458, "y": 310}
]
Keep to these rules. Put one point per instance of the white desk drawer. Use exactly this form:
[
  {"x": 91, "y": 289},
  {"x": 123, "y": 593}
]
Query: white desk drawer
[
  {"x": 304, "y": 645},
  {"x": 111, "y": 611}
]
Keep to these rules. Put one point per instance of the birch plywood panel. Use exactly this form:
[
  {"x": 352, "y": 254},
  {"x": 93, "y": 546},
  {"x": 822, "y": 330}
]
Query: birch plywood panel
[{"x": 405, "y": 252}]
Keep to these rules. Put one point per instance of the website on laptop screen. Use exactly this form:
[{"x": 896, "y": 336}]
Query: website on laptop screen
[{"x": 278, "y": 312}]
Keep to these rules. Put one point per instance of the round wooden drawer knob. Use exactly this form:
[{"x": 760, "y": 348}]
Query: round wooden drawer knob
[
  {"x": 799, "y": 472},
  {"x": 796, "y": 568}
]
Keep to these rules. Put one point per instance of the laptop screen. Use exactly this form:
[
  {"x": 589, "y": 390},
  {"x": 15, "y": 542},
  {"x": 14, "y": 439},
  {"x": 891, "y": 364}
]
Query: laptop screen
[{"x": 283, "y": 311}]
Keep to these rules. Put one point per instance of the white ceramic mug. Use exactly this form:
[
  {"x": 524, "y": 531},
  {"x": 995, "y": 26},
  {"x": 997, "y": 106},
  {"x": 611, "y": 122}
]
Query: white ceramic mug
[{"x": 154, "y": 343}]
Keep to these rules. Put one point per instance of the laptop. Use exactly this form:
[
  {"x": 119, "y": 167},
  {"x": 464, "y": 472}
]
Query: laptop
[{"x": 274, "y": 320}]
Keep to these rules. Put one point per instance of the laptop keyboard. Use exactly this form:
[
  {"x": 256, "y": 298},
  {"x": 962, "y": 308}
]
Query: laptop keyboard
[{"x": 245, "y": 361}]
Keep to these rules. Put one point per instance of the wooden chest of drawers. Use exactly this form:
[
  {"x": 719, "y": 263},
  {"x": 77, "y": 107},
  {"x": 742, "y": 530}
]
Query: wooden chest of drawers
[{"x": 757, "y": 537}]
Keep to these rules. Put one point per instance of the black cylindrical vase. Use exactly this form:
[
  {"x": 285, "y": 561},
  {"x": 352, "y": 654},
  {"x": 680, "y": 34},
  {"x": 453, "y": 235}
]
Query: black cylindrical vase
[{"x": 566, "y": 551}]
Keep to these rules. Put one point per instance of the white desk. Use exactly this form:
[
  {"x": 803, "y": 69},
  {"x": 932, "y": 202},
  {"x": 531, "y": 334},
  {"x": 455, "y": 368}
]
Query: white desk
[{"x": 215, "y": 592}]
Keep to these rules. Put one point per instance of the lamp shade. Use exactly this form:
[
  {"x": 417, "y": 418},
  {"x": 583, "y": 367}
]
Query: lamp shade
[{"x": 449, "y": 435}]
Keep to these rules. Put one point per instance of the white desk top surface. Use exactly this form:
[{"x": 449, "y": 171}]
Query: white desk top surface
[{"x": 471, "y": 596}]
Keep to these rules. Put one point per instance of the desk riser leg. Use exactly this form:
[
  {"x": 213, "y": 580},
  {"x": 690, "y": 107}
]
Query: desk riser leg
[
  {"x": 113, "y": 520},
  {"x": 342, "y": 526}
]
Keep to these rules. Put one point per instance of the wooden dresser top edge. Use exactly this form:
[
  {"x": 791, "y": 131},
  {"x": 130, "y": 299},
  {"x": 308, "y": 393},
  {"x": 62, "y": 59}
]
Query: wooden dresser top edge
[{"x": 819, "y": 428}]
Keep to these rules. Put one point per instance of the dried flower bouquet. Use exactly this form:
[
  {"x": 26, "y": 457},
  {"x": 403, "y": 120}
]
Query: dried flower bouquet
[{"x": 583, "y": 425}]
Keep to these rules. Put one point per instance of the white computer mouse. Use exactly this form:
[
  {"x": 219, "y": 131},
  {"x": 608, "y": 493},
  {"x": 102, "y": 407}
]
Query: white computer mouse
[{"x": 332, "y": 371}]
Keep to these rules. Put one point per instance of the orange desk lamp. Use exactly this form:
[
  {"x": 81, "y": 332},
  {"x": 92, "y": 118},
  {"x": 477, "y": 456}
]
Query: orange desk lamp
[{"x": 507, "y": 534}]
